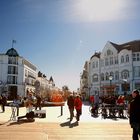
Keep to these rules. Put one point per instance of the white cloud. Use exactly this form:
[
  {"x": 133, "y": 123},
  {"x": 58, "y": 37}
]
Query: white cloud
[{"x": 100, "y": 10}]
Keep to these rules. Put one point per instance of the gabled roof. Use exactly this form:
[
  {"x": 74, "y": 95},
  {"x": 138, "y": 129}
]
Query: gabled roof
[
  {"x": 96, "y": 54},
  {"x": 132, "y": 45}
]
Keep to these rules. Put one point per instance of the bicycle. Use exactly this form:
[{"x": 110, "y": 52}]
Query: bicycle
[
  {"x": 103, "y": 111},
  {"x": 93, "y": 109}
]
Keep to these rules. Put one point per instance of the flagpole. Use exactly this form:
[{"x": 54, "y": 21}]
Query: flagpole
[{"x": 13, "y": 41}]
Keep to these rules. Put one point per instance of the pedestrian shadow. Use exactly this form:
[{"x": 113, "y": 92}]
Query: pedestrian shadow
[
  {"x": 69, "y": 124},
  {"x": 21, "y": 122},
  {"x": 5, "y": 122}
]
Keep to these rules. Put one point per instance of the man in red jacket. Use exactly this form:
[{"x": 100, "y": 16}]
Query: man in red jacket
[{"x": 78, "y": 107}]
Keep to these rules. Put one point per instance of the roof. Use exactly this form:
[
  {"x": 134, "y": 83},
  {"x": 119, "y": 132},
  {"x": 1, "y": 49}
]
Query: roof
[
  {"x": 96, "y": 54},
  {"x": 12, "y": 52},
  {"x": 132, "y": 45}
]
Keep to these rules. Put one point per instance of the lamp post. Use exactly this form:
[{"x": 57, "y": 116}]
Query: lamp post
[
  {"x": 89, "y": 90},
  {"x": 110, "y": 79},
  {"x": 125, "y": 86}
]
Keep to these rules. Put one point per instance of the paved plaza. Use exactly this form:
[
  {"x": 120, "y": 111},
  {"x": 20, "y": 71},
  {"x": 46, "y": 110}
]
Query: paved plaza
[{"x": 56, "y": 126}]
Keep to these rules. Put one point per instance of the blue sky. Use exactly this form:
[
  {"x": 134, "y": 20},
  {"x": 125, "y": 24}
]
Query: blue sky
[{"x": 58, "y": 36}]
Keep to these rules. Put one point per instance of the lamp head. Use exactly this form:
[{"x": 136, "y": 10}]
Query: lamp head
[{"x": 110, "y": 77}]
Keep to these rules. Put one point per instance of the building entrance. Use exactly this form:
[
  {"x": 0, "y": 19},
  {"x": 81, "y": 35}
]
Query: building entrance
[{"x": 12, "y": 92}]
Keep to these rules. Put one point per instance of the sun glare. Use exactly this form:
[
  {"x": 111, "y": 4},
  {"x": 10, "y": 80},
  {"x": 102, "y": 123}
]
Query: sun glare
[{"x": 98, "y": 10}]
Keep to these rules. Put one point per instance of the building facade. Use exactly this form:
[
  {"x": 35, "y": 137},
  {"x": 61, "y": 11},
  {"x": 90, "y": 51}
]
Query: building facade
[
  {"x": 16, "y": 74},
  {"x": 115, "y": 70},
  {"x": 84, "y": 81}
]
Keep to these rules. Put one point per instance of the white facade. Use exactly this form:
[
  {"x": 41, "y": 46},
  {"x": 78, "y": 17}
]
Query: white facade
[
  {"x": 121, "y": 62},
  {"x": 16, "y": 74},
  {"x": 84, "y": 81}
]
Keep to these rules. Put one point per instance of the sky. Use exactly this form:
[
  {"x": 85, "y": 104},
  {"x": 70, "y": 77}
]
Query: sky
[{"x": 58, "y": 36}]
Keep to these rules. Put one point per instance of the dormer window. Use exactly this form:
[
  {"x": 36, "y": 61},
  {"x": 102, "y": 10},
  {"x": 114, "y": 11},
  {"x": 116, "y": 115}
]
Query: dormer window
[{"x": 109, "y": 52}]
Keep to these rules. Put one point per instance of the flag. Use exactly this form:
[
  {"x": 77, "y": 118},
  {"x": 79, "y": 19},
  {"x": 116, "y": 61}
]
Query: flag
[{"x": 13, "y": 41}]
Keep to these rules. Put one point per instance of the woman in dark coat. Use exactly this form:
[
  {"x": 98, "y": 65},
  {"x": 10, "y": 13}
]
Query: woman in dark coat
[
  {"x": 70, "y": 103},
  {"x": 135, "y": 114}
]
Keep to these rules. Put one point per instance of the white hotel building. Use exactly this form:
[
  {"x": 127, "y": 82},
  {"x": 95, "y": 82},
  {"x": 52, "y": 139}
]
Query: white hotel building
[
  {"x": 114, "y": 70},
  {"x": 16, "y": 74}
]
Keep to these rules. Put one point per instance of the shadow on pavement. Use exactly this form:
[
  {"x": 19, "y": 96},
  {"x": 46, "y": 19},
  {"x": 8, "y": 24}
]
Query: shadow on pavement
[
  {"x": 70, "y": 124},
  {"x": 4, "y": 123},
  {"x": 21, "y": 122}
]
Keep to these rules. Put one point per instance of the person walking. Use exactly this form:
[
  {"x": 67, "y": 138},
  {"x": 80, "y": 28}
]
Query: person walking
[
  {"x": 91, "y": 100},
  {"x": 3, "y": 102},
  {"x": 134, "y": 110},
  {"x": 38, "y": 102},
  {"x": 29, "y": 102},
  {"x": 17, "y": 103},
  {"x": 70, "y": 103},
  {"x": 78, "y": 107}
]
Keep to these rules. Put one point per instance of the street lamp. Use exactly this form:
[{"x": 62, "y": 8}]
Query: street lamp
[
  {"x": 110, "y": 79},
  {"x": 125, "y": 86}
]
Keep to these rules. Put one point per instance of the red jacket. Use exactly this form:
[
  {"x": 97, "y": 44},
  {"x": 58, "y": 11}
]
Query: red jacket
[
  {"x": 92, "y": 99},
  {"x": 78, "y": 103},
  {"x": 120, "y": 101}
]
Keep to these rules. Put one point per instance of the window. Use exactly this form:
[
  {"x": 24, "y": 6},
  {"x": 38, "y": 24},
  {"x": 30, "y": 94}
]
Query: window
[
  {"x": 137, "y": 71},
  {"x": 109, "y": 52},
  {"x": 12, "y": 60},
  {"x": 96, "y": 64},
  {"x": 102, "y": 62},
  {"x": 134, "y": 57},
  {"x": 107, "y": 76},
  {"x": 95, "y": 78},
  {"x": 30, "y": 74},
  {"x": 12, "y": 70},
  {"x": 127, "y": 58},
  {"x": 125, "y": 74},
  {"x": 12, "y": 79},
  {"x": 111, "y": 60},
  {"x": 116, "y": 75},
  {"x": 122, "y": 59},
  {"x": 106, "y": 61},
  {"x": 138, "y": 57},
  {"x": 93, "y": 65},
  {"x": 116, "y": 60}
]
